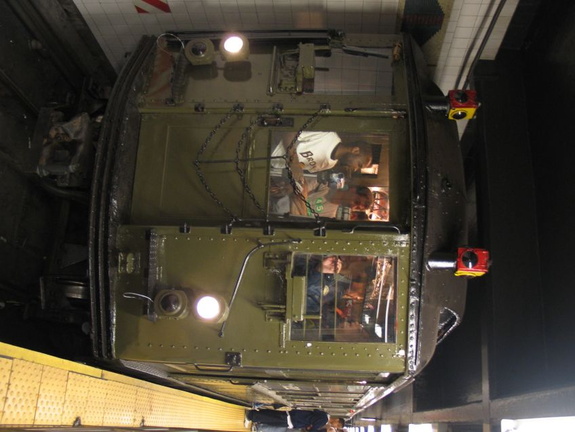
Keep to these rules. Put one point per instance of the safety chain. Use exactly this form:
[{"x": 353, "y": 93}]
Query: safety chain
[
  {"x": 289, "y": 158},
  {"x": 199, "y": 172},
  {"x": 241, "y": 172}
]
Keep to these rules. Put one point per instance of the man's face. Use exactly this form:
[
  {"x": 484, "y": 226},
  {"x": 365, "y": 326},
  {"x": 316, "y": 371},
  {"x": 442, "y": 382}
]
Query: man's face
[
  {"x": 360, "y": 203},
  {"x": 355, "y": 160},
  {"x": 335, "y": 423},
  {"x": 331, "y": 264}
]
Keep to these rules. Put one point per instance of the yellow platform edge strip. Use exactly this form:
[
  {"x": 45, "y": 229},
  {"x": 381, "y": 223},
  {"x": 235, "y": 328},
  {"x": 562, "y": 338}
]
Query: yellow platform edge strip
[{"x": 38, "y": 389}]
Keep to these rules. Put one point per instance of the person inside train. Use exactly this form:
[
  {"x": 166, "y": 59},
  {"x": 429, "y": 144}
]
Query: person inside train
[
  {"x": 359, "y": 215},
  {"x": 325, "y": 201},
  {"x": 311, "y": 421},
  {"x": 322, "y": 198},
  {"x": 316, "y": 151},
  {"x": 323, "y": 286}
]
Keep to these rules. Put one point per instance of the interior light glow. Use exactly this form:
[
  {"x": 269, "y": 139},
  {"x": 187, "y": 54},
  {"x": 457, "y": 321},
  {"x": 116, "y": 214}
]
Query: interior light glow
[
  {"x": 208, "y": 308},
  {"x": 423, "y": 427},
  {"x": 233, "y": 44},
  {"x": 555, "y": 424}
]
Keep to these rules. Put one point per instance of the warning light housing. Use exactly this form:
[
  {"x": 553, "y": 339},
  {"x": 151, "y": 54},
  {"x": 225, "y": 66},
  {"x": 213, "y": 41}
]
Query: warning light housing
[
  {"x": 472, "y": 262},
  {"x": 462, "y": 104}
]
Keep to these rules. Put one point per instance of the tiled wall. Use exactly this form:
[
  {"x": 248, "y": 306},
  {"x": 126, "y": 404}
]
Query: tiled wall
[
  {"x": 118, "y": 26},
  {"x": 468, "y": 23}
]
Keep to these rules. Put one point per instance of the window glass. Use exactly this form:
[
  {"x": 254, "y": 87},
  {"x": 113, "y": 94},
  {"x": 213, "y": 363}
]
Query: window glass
[
  {"x": 330, "y": 174},
  {"x": 349, "y": 298},
  {"x": 355, "y": 71},
  {"x": 347, "y": 74}
]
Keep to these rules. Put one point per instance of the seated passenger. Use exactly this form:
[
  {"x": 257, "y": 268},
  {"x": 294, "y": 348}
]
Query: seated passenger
[
  {"x": 325, "y": 200},
  {"x": 322, "y": 285}
]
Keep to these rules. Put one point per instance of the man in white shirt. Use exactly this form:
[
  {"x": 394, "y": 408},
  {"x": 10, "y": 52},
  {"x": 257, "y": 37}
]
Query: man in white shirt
[
  {"x": 314, "y": 151},
  {"x": 319, "y": 151}
]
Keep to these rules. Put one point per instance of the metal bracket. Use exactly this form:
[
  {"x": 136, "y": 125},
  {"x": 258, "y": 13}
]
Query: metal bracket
[
  {"x": 233, "y": 359},
  {"x": 269, "y": 230},
  {"x": 320, "y": 231}
]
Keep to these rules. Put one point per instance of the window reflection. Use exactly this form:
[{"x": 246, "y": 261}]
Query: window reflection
[
  {"x": 348, "y": 298},
  {"x": 334, "y": 175}
]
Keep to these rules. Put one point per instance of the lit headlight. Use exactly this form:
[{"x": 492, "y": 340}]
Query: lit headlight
[
  {"x": 233, "y": 44},
  {"x": 210, "y": 308},
  {"x": 234, "y": 47}
]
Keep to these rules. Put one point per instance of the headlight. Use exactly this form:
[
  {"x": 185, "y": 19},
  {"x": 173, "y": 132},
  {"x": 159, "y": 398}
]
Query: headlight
[
  {"x": 234, "y": 47},
  {"x": 210, "y": 308},
  {"x": 233, "y": 44}
]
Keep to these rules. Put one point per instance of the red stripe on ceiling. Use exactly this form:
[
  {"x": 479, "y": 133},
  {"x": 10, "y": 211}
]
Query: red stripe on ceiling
[
  {"x": 140, "y": 10},
  {"x": 159, "y": 4}
]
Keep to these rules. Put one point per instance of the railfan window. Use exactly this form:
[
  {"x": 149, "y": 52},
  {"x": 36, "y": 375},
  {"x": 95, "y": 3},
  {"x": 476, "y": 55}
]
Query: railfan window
[
  {"x": 355, "y": 186},
  {"x": 348, "y": 298}
]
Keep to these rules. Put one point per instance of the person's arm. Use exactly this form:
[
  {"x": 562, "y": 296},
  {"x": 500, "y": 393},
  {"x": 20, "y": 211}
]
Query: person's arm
[
  {"x": 288, "y": 138},
  {"x": 298, "y": 207},
  {"x": 292, "y": 157}
]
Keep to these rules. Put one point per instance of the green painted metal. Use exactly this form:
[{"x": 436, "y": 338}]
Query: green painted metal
[
  {"x": 210, "y": 261},
  {"x": 201, "y": 221}
]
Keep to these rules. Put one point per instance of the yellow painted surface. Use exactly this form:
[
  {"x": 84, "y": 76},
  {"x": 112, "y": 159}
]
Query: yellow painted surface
[
  {"x": 52, "y": 395},
  {"x": 40, "y": 390}
]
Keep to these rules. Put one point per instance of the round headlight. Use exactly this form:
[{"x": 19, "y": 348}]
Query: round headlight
[
  {"x": 234, "y": 47},
  {"x": 233, "y": 44},
  {"x": 210, "y": 308}
]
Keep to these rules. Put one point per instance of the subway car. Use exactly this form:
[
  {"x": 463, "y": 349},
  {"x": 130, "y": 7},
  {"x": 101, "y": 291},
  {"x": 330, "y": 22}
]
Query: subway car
[{"x": 278, "y": 217}]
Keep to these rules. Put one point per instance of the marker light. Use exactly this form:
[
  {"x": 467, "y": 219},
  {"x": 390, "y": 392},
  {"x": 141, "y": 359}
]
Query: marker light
[
  {"x": 171, "y": 304},
  {"x": 200, "y": 51},
  {"x": 462, "y": 104},
  {"x": 234, "y": 47}
]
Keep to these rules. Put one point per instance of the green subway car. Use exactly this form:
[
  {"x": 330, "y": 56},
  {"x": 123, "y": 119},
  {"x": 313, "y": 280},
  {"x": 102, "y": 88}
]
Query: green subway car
[{"x": 264, "y": 218}]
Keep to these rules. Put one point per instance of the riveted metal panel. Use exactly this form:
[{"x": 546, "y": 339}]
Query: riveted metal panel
[{"x": 188, "y": 341}]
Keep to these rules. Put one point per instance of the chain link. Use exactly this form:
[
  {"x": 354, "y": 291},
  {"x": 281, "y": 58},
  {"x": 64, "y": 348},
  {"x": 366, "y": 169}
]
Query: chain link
[
  {"x": 288, "y": 158},
  {"x": 241, "y": 172},
  {"x": 199, "y": 171}
]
